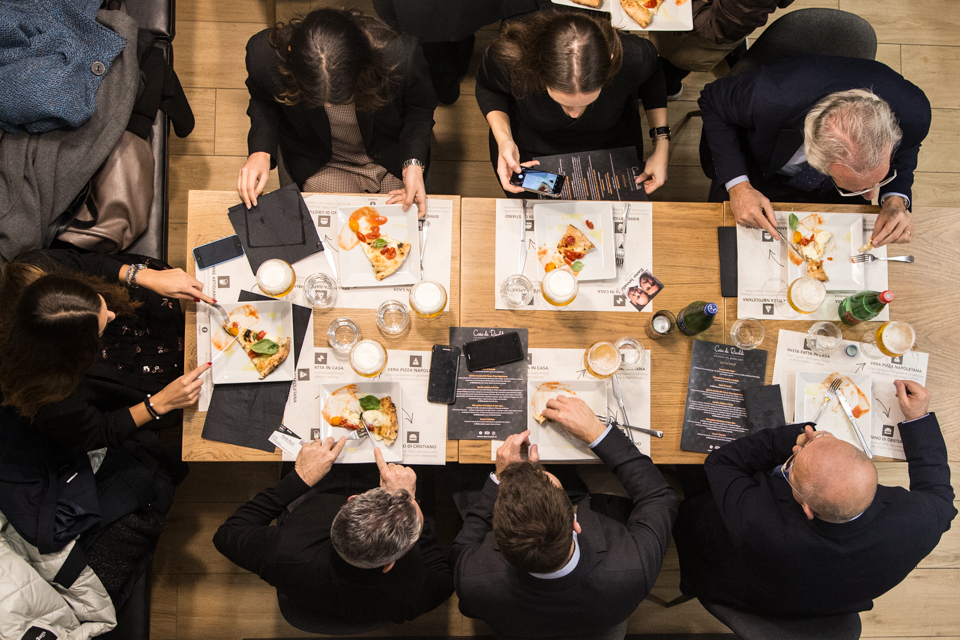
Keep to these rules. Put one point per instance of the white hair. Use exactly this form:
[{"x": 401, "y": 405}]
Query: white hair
[{"x": 854, "y": 128}]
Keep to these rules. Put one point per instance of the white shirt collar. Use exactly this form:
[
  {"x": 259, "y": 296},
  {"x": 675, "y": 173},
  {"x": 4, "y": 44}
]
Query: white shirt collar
[{"x": 568, "y": 568}]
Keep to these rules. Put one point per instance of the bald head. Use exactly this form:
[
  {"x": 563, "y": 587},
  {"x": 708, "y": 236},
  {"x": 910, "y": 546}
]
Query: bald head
[{"x": 837, "y": 481}]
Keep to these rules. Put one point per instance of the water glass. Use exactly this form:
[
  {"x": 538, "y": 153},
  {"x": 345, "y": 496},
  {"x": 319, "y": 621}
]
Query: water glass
[
  {"x": 342, "y": 335},
  {"x": 516, "y": 291},
  {"x": 824, "y": 337},
  {"x": 393, "y": 319},
  {"x": 747, "y": 333},
  {"x": 631, "y": 352},
  {"x": 320, "y": 291}
]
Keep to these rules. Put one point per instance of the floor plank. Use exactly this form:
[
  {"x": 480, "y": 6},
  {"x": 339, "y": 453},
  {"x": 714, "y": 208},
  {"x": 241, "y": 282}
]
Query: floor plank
[
  {"x": 227, "y": 481},
  {"x": 163, "y": 606},
  {"x": 926, "y": 22},
  {"x": 461, "y": 132},
  {"x": 468, "y": 179},
  {"x": 217, "y": 173},
  {"x": 936, "y": 70},
  {"x": 924, "y": 603},
  {"x": 258, "y": 11},
  {"x": 935, "y": 189},
  {"x": 218, "y": 53},
  {"x": 890, "y": 55},
  {"x": 203, "y": 102},
  {"x": 186, "y": 545},
  {"x": 939, "y": 150},
  {"x": 233, "y": 123}
]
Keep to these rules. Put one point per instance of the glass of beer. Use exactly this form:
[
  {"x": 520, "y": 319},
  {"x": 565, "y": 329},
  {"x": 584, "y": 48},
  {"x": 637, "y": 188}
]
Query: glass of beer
[
  {"x": 276, "y": 278},
  {"x": 805, "y": 295},
  {"x": 891, "y": 339},
  {"x": 602, "y": 359},
  {"x": 559, "y": 287},
  {"x": 428, "y": 299},
  {"x": 368, "y": 358},
  {"x": 747, "y": 333}
]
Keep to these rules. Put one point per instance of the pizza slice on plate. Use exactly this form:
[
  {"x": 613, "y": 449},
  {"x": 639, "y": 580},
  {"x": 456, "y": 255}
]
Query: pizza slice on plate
[
  {"x": 573, "y": 246},
  {"x": 386, "y": 255},
  {"x": 266, "y": 353},
  {"x": 383, "y": 422},
  {"x": 641, "y": 11},
  {"x": 593, "y": 4}
]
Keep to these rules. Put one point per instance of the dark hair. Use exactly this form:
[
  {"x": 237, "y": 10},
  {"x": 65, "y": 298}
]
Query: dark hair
[
  {"x": 568, "y": 52},
  {"x": 532, "y": 519},
  {"x": 50, "y": 332},
  {"x": 335, "y": 57}
]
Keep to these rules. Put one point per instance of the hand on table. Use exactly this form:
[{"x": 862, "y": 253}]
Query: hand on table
[
  {"x": 316, "y": 459},
  {"x": 511, "y": 451},
  {"x": 655, "y": 170},
  {"x": 173, "y": 283},
  {"x": 576, "y": 418},
  {"x": 182, "y": 392},
  {"x": 750, "y": 207},
  {"x": 253, "y": 177},
  {"x": 894, "y": 223},
  {"x": 914, "y": 399},
  {"x": 413, "y": 191},
  {"x": 394, "y": 477}
]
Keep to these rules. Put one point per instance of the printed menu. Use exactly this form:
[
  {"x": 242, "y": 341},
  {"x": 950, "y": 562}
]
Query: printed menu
[
  {"x": 715, "y": 413},
  {"x": 491, "y": 403},
  {"x": 606, "y": 174}
]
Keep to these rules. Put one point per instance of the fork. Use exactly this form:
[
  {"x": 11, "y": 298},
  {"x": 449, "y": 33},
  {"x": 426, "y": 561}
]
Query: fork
[
  {"x": 424, "y": 230},
  {"x": 869, "y": 257},
  {"x": 224, "y": 317},
  {"x": 621, "y": 253},
  {"x": 828, "y": 395}
]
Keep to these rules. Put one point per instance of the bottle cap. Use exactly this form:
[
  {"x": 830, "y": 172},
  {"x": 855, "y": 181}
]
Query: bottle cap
[
  {"x": 886, "y": 297},
  {"x": 711, "y": 309}
]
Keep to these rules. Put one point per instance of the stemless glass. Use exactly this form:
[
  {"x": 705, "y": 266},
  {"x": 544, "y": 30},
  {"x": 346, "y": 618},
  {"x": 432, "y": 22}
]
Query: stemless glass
[
  {"x": 276, "y": 277},
  {"x": 747, "y": 333},
  {"x": 824, "y": 337},
  {"x": 368, "y": 358},
  {"x": 320, "y": 291},
  {"x": 559, "y": 287},
  {"x": 631, "y": 352},
  {"x": 661, "y": 325},
  {"x": 428, "y": 299},
  {"x": 891, "y": 339},
  {"x": 342, "y": 335},
  {"x": 392, "y": 318},
  {"x": 516, "y": 291}
]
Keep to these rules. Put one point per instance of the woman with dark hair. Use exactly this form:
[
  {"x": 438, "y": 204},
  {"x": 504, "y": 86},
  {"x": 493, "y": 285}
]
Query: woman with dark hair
[
  {"x": 345, "y": 101},
  {"x": 556, "y": 83},
  {"x": 87, "y": 359}
]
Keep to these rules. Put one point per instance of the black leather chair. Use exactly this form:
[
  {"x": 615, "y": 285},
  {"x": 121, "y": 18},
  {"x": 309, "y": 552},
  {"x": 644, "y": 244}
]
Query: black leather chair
[{"x": 750, "y": 626}]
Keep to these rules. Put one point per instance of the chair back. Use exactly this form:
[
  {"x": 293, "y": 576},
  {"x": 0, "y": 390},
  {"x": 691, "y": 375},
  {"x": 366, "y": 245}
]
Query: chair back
[
  {"x": 826, "y": 32},
  {"x": 752, "y": 626},
  {"x": 315, "y": 622},
  {"x": 618, "y": 632}
]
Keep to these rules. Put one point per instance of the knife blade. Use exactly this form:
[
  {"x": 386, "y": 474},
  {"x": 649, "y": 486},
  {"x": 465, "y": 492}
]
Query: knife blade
[
  {"x": 523, "y": 242},
  {"x": 619, "y": 398},
  {"x": 424, "y": 230},
  {"x": 853, "y": 421},
  {"x": 226, "y": 348},
  {"x": 791, "y": 245},
  {"x": 367, "y": 429}
]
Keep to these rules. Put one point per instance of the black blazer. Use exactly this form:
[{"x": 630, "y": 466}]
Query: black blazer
[
  {"x": 617, "y": 569},
  {"x": 748, "y": 544},
  {"x": 753, "y": 123},
  {"x": 297, "y": 557},
  {"x": 397, "y": 132}
]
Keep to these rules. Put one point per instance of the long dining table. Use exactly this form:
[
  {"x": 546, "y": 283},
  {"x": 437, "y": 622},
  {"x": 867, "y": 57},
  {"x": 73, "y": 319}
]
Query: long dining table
[{"x": 685, "y": 259}]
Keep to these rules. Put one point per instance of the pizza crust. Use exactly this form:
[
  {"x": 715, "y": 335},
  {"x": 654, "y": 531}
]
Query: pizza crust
[
  {"x": 637, "y": 12},
  {"x": 815, "y": 270},
  {"x": 581, "y": 244},
  {"x": 593, "y": 4},
  {"x": 383, "y": 267}
]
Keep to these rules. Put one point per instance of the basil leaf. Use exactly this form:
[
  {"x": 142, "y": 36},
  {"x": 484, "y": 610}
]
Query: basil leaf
[
  {"x": 794, "y": 221},
  {"x": 379, "y": 243},
  {"x": 265, "y": 347},
  {"x": 369, "y": 403},
  {"x": 577, "y": 266}
]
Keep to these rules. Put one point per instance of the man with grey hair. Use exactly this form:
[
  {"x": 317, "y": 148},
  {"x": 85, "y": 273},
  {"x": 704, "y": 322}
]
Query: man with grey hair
[
  {"x": 814, "y": 129},
  {"x": 812, "y": 533},
  {"x": 337, "y": 557}
]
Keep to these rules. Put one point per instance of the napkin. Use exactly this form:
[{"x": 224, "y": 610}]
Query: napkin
[
  {"x": 727, "y": 237},
  {"x": 764, "y": 407},
  {"x": 246, "y": 414},
  {"x": 278, "y": 227}
]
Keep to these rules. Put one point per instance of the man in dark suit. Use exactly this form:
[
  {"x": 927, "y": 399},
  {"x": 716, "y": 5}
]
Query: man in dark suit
[
  {"x": 814, "y": 129},
  {"x": 530, "y": 568},
  {"x": 352, "y": 560},
  {"x": 815, "y": 535}
]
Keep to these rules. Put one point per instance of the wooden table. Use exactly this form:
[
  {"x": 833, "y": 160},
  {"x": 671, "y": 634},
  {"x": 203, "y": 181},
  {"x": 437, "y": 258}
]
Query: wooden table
[
  {"x": 685, "y": 258},
  {"x": 207, "y": 221}
]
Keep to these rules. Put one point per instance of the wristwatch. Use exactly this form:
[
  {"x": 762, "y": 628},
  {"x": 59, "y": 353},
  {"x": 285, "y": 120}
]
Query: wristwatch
[
  {"x": 132, "y": 271},
  {"x": 660, "y": 131},
  {"x": 407, "y": 163}
]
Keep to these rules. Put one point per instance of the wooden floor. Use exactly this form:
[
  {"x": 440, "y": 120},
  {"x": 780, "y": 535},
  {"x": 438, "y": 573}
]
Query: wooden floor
[{"x": 199, "y": 594}]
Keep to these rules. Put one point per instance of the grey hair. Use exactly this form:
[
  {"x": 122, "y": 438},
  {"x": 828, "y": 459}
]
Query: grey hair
[
  {"x": 375, "y": 528},
  {"x": 855, "y": 128}
]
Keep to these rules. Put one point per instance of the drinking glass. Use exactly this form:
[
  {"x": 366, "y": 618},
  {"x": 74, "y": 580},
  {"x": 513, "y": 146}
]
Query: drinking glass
[
  {"x": 747, "y": 333},
  {"x": 602, "y": 359},
  {"x": 393, "y": 319},
  {"x": 320, "y": 291},
  {"x": 428, "y": 299},
  {"x": 806, "y": 294},
  {"x": 276, "y": 277},
  {"x": 891, "y": 339},
  {"x": 368, "y": 358},
  {"x": 342, "y": 335},
  {"x": 559, "y": 287},
  {"x": 516, "y": 291},
  {"x": 661, "y": 325},
  {"x": 631, "y": 352},
  {"x": 824, "y": 337}
]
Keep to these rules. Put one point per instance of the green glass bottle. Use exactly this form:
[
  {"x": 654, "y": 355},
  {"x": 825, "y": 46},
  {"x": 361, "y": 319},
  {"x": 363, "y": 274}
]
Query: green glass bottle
[
  {"x": 864, "y": 306},
  {"x": 696, "y": 317}
]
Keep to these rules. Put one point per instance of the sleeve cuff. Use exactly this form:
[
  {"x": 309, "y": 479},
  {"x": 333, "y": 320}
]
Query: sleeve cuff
[
  {"x": 906, "y": 199},
  {"x": 600, "y": 439},
  {"x": 915, "y": 419},
  {"x": 493, "y": 476},
  {"x": 291, "y": 487},
  {"x": 732, "y": 183}
]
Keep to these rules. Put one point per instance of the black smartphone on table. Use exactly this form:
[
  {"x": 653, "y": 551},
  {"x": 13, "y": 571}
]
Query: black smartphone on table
[
  {"x": 218, "y": 252},
  {"x": 444, "y": 368},
  {"x": 536, "y": 181},
  {"x": 491, "y": 352}
]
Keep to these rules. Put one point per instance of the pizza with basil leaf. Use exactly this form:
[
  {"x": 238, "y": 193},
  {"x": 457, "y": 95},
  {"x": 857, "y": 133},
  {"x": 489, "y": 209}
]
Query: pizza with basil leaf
[{"x": 266, "y": 353}]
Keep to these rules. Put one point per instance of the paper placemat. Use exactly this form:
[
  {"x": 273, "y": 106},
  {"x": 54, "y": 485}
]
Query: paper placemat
[
  {"x": 884, "y": 437},
  {"x": 566, "y": 365},
  {"x": 762, "y": 261},
  {"x": 423, "y": 431},
  {"x": 600, "y": 295}
]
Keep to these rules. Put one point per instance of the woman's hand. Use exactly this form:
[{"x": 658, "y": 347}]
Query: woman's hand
[
  {"x": 655, "y": 170},
  {"x": 182, "y": 392},
  {"x": 253, "y": 177},
  {"x": 508, "y": 163},
  {"x": 413, "y": 191},
  {"x": 173, "y": 283}
]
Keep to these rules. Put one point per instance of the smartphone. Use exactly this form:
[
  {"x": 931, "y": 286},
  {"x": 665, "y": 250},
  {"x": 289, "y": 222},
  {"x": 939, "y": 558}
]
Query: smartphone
[
  {"x": 490, "y": 352},
  {"x": 543, "y": 182},
  {"x": 218, "y": 252},
  {"x": 444, "y": 367}
]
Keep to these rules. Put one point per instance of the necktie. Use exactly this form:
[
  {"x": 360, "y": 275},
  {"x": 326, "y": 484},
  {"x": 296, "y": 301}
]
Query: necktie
[{"x": 809, "y": 179}]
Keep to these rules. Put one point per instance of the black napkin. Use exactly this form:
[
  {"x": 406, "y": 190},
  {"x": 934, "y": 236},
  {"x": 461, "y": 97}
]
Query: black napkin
[
  {"x": 246, "y": 414},
  {"x": 278, "y": 227},
  {"x": 727, "y": 237},
  {"x": 764, "y": 407}
]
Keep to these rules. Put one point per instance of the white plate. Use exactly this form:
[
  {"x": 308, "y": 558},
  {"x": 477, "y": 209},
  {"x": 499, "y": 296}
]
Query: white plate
[
  {"x": 856, "y": 388},
  {"x": 355, "y": 268},
  {"x": 273, "y": 316},
  {"x": 551, "y": 440},
  {"x": 362, "y": 450},
  {"x": 847, "y": 230},
  {"x": 670, "y": 17},
  {"x": 551, "y": 222},
  {"x": 604, "y": 6}
]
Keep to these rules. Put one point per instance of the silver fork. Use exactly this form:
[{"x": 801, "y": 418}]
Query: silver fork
[
  {"x": 828, "y": 395},
  {"x": 869, "y": 257},
  {"x": 621, "y": 253},
  {"x": 424, "y": 230},
  {"x": 224, "y": 317}
]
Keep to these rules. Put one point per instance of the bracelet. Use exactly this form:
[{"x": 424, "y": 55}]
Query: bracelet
[
  {"x": 132, "y": 271},
  {"x": 659, "y": 131},
  {"x": 150, "y": 409},
  {"x": 407, "y": 163},
  {"x": 658, "y": 138}
]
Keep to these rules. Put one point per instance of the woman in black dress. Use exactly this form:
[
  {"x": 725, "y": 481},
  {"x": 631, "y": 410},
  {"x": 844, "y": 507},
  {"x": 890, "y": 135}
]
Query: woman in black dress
[
  {"x": 556, "y": 83},
  {"x": 91, "y": 348}
]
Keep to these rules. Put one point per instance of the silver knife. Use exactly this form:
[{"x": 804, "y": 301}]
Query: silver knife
[
  {"x": 329, "y": 257},
  {"x": 856, "y": 428},
  {"x": 226, "y": 348},
  {"x": 424, "y": 230},
  {"x": 523, "y": 241},
  {"x": 365, "y": 428},
  {"x": 623, "y": 409}
]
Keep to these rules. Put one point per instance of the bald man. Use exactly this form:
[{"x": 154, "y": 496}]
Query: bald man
[{"x": 794, "y": 521}]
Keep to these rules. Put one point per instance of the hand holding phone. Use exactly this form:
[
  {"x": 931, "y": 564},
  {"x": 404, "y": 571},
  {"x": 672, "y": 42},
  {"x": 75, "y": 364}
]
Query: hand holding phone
[{"x": 536, "y": 181}]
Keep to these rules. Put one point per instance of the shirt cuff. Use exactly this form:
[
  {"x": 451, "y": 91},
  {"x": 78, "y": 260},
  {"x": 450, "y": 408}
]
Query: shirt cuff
[
  {"x": 602, "y": 436},
  {"x": 893, "y": 193},
  {"x": 493, "y": 476},
  {"x": 915, "y": 419},
  {"x": 732, "y": 183}
]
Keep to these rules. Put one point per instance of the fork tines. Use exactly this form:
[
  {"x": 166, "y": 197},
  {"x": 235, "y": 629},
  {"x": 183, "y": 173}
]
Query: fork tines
[{"x": 863, "y": 257}]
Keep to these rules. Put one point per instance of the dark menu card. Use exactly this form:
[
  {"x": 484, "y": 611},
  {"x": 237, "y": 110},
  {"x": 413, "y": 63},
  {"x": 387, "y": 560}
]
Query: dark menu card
[
  {"x": 716, "y": 413},
  {"x": 491, "y": 403},
  {"x": 607, "y": 174}
]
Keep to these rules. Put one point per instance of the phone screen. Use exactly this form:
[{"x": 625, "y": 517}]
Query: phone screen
[
  {"x": 217, "y": 252},
  {"x": 490, "y": 352},
  {"x": 444, "y": 367},
  {"x": 540, "y": 181}
]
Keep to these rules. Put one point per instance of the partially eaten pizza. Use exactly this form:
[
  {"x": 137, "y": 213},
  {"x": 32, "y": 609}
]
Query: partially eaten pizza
[
  {"x": 641, "y": 11},
  {"x": 265, "y": 353},
  {"x": 343, "y": 409},
  {"x": 812, "y": 243},
  {"x": 385, "y": 254},
  {"x": 593, "y": 4},
  {"x": 571, "y": 248}
]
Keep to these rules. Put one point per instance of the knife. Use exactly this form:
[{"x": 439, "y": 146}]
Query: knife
[
  {"x": 365, "y": 428},
  {"x": 846, "y": 410},
  {"x": 523, "y": 242},
  {"x": 623, "y": 409},
  {"x": 424, "y": 230},
  {"x": 226, "y": 348},
  {"x": 791, "y": 245},
  {"x": 329, "y": 258}
]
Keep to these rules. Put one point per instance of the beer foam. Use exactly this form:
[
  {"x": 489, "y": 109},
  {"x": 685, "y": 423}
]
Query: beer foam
[
  {"x": 366, "y": 356},
  {"x": 898, "y": 337},
  {"x": 560, "y": 285},
  {"x": 604, "y": 359},
  {"x": 811, "y": 292},
  {"x": 274, "y": 276},
  {"x": 428, "y": 296}
]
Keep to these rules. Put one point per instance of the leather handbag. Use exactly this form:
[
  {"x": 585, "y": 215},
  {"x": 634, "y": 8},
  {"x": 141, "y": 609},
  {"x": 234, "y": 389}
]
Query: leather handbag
[{"x": 116, "y": 210}]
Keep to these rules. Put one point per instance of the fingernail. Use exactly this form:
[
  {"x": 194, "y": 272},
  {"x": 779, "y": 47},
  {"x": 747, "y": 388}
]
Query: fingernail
[
  {"x": 214, "y": 302},
  {"x": 209, "y": 363},
  {"x": 196, "y": 299}
]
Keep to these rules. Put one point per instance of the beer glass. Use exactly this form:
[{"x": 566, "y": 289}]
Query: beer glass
[
  {"x": 428, "y": 299},
  {"x": 805, "y": 295},
  {"x": 368, "y": 358},
  {"x": 891, "y": 339},
  {"x": 559, "y": 287},
  {"x": 602, "y": 359},
  {"x": 276, "y": 277}
]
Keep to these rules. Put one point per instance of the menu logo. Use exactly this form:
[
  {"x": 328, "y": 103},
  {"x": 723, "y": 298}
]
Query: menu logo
[
  {"x": 323, "y": 221},
  {"x": 529, "y": 224},
  {"x": 203, "y": 329},
  {"x": 315, "y": 434},
  {"x": 223, "y": 282},
  {"x": 303, "y": 374},
  {"x": 619, "y": 301},
  {"x": 319, "y": 358},
  {"x": 768, "y": 308},
  {"x": 897, "y": 360},
  {"x": 413, "y": 437},
  {"x": 888, "y": 431},
  {"x": 765, "y": 236},
  {"x": 619, "y": 227},
  {"x": 415, "y": 361},
  {"x": 529, "y": 358}
]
